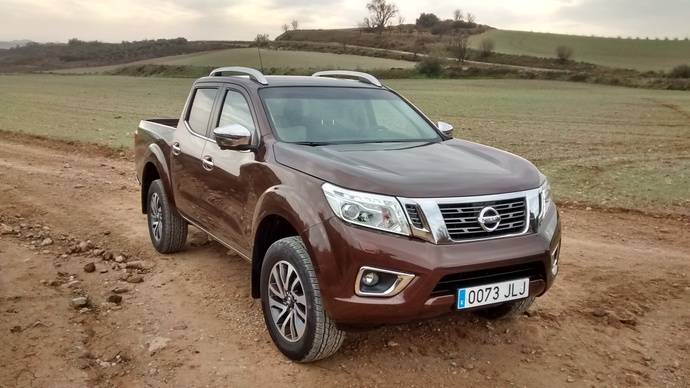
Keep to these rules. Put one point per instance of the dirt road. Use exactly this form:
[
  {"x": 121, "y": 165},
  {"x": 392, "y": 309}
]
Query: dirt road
[{"x": 619, "y": 314}]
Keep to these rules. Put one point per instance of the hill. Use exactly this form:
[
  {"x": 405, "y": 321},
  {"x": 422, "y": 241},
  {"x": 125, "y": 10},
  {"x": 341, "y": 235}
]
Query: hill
[
  {"x": 271, "y": 59},
  {"x": 406, "y": 37},
  {"x": 638, "y": 54},
  {"x": 78, "y": 53}
]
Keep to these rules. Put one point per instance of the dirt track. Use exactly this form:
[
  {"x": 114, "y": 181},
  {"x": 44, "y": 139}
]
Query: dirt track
[{"x": 619, "y": 314}]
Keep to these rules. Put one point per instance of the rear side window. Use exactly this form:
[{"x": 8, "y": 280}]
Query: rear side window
[
  {"x": 235, "y": 111},
  {"x": 200, "y": 111}
]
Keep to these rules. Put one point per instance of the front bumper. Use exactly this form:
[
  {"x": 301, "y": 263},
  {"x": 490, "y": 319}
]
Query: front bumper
[{"x": 340, "y": 250}]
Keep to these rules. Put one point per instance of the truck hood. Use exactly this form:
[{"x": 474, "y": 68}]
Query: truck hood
[{"x": 451, "y": 168}]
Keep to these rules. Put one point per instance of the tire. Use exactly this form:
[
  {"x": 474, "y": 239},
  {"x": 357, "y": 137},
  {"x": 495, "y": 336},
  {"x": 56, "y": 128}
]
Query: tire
[
  {"x": 317, "y": 337},
  {"x": 508, "y": 309},
  {"x": 167, "y": 229}
]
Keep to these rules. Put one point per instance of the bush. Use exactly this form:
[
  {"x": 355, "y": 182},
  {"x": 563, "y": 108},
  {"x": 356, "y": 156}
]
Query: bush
[
  {"x": 564, "y": 53},
  {"x": 427, "y": 20},
  {"x": 680, "y": 71},
  {"x": 486, "y": 46},
  {"x": 430, "y": 66}
]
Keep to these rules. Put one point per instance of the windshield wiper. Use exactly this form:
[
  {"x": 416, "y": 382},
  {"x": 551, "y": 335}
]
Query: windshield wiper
[{"x": 312, "y": 143}]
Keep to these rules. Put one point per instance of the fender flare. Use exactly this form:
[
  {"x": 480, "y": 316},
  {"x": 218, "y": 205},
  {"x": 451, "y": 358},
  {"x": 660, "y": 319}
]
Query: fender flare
[
  {"x": 155, "y": 156},
  {"x": 282, "y": 201}
]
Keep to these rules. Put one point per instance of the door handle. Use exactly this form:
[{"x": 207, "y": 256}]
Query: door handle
[
  {"x": 176, "y": 150},
  {"x": 207, "y": 162}
]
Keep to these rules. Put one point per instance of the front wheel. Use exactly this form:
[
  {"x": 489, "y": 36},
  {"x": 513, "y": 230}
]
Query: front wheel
[
  {"x": 292, "y": 306},
  {"x": 167, "y": 228}
]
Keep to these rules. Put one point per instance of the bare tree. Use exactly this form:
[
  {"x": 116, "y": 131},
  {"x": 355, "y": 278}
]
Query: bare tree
[
  {"x": 457, "y": 15},
  {"x": 486, "y": 46},
  {"x": 401, "y": 20},
  {"x": 380, "y": 13},
  {"x": 471, "y": 18},
  {"x": 295, "y": 24},
  {"x": 458, "y": 47},
  {"x": 285, "y": 27},
  {"x": 365, "y": 24}
]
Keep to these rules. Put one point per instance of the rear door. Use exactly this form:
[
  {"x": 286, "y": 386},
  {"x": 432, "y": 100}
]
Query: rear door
[
  {"x": 187, "y": 168},
  {"x": 228, "y": 178}
]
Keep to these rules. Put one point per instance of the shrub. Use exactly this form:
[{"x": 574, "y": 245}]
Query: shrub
[
  {"x": 427, "y": 20},
  {"x": 564, "y": 53},
  {"x": 430, "y": 66},
  {"x": 680, "y": 71},
  {"x": 486, "y": 46}
]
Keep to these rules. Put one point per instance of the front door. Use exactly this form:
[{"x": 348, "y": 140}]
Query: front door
[{"x": 228, "y": 178}]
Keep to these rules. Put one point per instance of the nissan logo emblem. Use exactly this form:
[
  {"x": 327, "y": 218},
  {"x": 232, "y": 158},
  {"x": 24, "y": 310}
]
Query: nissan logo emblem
[{"x": 489, "y": 219}]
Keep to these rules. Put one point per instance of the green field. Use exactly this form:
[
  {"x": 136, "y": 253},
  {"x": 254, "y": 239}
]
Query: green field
[
  {"x": 271, "y": 58},
  {"x": 605, "y": 146},
  {"x": 635, "y": 54}
]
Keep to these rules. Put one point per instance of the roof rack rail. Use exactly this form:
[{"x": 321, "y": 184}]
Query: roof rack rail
[
  {"x": 253, "y": 74},
  {"x": 361, "y": 77}
]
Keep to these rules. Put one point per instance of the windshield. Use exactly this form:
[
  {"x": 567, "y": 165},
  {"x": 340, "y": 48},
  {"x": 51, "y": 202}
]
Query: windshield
[{"x": 320, "y": 115}]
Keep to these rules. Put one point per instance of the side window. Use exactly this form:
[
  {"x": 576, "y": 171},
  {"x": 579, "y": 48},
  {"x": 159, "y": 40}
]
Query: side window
[
  {"x": 200, "y": 111},
  {"x": 235, "y": 111}
]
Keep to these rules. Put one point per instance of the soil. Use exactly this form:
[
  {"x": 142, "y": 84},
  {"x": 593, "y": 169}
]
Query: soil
[{"x": 618, "y": 315}]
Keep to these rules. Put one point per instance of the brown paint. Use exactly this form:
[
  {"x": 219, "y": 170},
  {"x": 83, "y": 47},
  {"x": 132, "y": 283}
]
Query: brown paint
[{"x": 280, "y": 179}]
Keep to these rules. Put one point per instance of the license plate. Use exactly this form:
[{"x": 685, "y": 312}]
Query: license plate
[{"x": 492, "y": 293}]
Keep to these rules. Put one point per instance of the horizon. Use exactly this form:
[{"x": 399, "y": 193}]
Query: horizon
[{"x": 126, "y": 20}]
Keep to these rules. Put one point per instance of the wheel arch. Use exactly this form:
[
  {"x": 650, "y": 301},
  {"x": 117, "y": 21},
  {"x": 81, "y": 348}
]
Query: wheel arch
[
  {"x": 279, "y": 213},
  {"x": 154, "y": 168}
]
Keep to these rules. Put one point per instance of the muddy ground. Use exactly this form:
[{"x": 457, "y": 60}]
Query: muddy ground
[{"x": 619, "y": 314}]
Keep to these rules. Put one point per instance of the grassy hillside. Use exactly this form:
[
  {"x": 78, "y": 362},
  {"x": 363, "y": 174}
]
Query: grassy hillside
[
  {"x": 271, "y": 58},
  {"x": 623, "y": 53},
  {"x": 599, "y": 145}
]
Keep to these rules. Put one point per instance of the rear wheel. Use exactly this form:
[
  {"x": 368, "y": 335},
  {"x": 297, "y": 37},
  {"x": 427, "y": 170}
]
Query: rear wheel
[
  {"x": 508, "y": 309},
  {"x": 292, "y": 306},
  {"x": 167, "y": 229}
]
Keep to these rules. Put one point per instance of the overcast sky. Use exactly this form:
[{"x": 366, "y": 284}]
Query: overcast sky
[{"x": 117, "y": 20}]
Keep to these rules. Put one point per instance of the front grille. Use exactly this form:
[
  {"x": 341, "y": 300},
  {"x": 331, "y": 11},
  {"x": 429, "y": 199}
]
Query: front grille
[
  {"x": 413, "y": 213},
  {"x": 449, "y": 284},
  {"x": 462, "y": 218}
]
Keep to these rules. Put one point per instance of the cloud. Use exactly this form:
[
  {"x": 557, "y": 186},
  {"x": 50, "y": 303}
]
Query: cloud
[
  {"x": 116, "y": 20},
  {"x": 630, "y": 17}
]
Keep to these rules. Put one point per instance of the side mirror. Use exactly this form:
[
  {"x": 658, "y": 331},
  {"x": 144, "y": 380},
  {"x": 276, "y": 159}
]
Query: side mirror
[
  {"x": 233, "y": 137},
  {"x": 445, "y": 128}
]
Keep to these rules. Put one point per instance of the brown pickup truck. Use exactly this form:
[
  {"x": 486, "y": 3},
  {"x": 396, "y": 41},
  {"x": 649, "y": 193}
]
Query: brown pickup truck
[{"x": 353, "y": 208}]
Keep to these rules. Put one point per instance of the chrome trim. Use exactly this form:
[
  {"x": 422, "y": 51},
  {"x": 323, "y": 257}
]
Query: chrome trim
[
  {"x": 361, "y": 77},
  {"x": 554, "y": 259},
  {"x": 248, "y": 71},
  {"x": 445, "y": 128},
  {"x": 233, "y": 136},
  {"x": 403, "y": 281},
  {"x": 242, "y": 255},
  {"x": 191, "y": 131},
  {"x": 436, "y": 231}
]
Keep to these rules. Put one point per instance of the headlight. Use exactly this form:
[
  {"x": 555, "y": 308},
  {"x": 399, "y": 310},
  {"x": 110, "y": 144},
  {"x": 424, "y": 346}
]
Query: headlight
[
  {"x": 371, "y": 210},
  {"x": 545, "y": 198}
]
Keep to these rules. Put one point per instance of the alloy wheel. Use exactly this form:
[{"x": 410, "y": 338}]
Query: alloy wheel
[
  {"x": 156, "y": 216},
  {"x": 287, "y": 301}
]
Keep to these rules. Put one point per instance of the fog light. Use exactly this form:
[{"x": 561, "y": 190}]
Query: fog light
[
  {"x": 381, "y": 282},
  {"x": 370, "y": 278}
]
